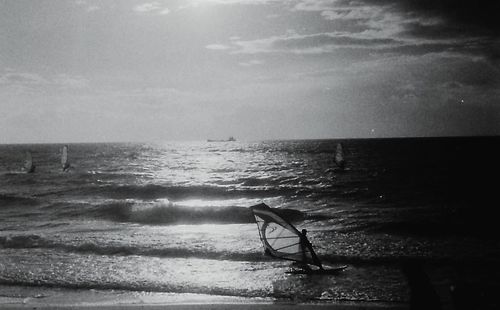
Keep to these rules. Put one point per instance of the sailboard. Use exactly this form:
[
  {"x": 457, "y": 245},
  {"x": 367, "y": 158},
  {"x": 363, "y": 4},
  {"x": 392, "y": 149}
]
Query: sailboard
[
  {"x": 64, "y": 158},
  {"x": 329, "y": 270},
  {"x": 339, "y": 156},
  {"x": 29, "y": 167},
  {"x": 281, "y": 239}
]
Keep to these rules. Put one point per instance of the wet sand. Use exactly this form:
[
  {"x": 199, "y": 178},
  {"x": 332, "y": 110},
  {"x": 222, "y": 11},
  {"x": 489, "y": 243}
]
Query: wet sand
[
  {"x": 202, "y": 306},
  {"x": 20, "y": 297}
]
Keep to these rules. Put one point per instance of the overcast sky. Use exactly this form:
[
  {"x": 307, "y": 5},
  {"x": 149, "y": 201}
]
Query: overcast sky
[{"x": 128, "y": 70}]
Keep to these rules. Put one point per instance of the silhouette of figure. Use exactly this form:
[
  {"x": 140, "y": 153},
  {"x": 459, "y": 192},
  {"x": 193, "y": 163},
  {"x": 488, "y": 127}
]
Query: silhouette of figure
[{"x": 306, "y": 245}]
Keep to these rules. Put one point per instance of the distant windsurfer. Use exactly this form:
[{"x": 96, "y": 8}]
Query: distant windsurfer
[
  {"x": 64, "y": 159},
  {"x": 29, "y": 167},
  {"x": 66, "y": 167},
  {"x": 339, "y": 157},
  {"x": 306, "y": 245}
]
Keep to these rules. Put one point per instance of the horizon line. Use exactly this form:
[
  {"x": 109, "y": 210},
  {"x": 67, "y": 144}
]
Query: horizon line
[{"x": 255, "y": 140}]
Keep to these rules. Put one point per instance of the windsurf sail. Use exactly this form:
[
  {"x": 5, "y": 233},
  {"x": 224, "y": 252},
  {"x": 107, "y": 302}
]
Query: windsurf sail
[
  {"x": 64, "y": 158},
  {"x": 28, "y": 163},
  {"x": 339, "y": 156},
  {"x": 280, "y": 238}
]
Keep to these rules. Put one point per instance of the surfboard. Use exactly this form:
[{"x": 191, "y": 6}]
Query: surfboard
[{"x": 326, "y": 271}]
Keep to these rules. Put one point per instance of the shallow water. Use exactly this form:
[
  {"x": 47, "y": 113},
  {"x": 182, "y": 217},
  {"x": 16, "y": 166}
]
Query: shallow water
[{"x": 174, "y": 217}]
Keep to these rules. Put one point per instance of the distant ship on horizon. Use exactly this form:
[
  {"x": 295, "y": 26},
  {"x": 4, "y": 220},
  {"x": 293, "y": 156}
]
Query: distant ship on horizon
[{"x": 228, "y": 140}]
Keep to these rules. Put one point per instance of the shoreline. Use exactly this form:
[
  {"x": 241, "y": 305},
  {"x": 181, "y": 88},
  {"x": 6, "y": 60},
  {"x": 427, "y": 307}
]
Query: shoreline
[
  {"x": 209, "y": 306},
  {"x": 22, "y": 297}
]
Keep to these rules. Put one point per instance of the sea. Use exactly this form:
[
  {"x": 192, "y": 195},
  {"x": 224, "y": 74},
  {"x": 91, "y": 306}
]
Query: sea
[{"x": 173, "y": 219}]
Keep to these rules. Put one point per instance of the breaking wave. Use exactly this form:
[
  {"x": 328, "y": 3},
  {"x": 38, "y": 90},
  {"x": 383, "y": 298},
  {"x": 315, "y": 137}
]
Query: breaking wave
[
  {"x": 252, "y": 255},
  {"x": 165, "y": 212},
  {"x": 154, "y": 191},
  {"x": 36, "y": 241}
]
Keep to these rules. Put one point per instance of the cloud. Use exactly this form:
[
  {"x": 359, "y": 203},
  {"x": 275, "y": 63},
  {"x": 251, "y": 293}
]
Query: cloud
[
  {"x": 219, "y": 47},
  {"x": 399, "y": 26},
  {"x": 151, "y": 7},
  {"x": 165, "y": 11},
  {"x": 231, "y": 2},
  {"x": 147, "y": 7},
  {"x": 386, "y": 26},
  {"x": 21, "y": 78},
  {"x": 88, "y": 7},
  {"x": 328, "y": 42},
  {"x": 483, "y": 13},
  {"x": 254, "y": 62},
  {"x": 158, "y": 93},
  {"x": 29, "y": 80},
  {"x": 69, "y": 81},
  {"x": 187, "y": 4},
  {"x": 428, "y": 18},
  {"x": 314, "y": 5},
  {"x": 93, "y": 8}
]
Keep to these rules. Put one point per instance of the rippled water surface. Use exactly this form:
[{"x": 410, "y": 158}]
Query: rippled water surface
[{"x": 174, "y": 217}]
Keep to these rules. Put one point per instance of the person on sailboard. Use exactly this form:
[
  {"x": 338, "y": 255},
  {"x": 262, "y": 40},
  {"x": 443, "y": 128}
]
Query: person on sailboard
[
  {"x": 64, "y": 159},
  {"x": 65, "y": 167},
  {"x": 306, "y": 245},
  {"x": 31, "y": 169},
  {"x": 29, "y": 166}
]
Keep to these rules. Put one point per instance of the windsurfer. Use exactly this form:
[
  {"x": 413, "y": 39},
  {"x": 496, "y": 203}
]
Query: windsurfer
[
  {"x": 339, "y": 157},
  {"x": 65, "y": 167},
  {"x": 306, "y": 245},
  {"x": 29, "y": 167},
  {"x": 64, "y": 159}
]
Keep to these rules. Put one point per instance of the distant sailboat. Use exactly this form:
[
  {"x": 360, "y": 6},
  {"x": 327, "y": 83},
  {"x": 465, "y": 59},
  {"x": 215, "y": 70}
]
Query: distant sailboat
[
  {"x": 282, "y": 240},
  {"x": 339, "y": 156},
  {"x": 64, "y": 158},
  {"x": 29, "y": 167}
]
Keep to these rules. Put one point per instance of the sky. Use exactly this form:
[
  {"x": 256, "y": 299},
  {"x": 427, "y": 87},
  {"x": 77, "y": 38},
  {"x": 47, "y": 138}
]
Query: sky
[{"x": 132, "y": 70}]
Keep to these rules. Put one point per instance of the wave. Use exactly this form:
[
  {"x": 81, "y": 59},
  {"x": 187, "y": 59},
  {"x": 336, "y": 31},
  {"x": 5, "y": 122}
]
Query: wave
[
  {"x": 135, "y": 287},
  {"x": 36, "y": 241},
  {"x": 172, "y": 192},
  {"x": 165, "y": 212},
  {"x": 254, "y": 255}
]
